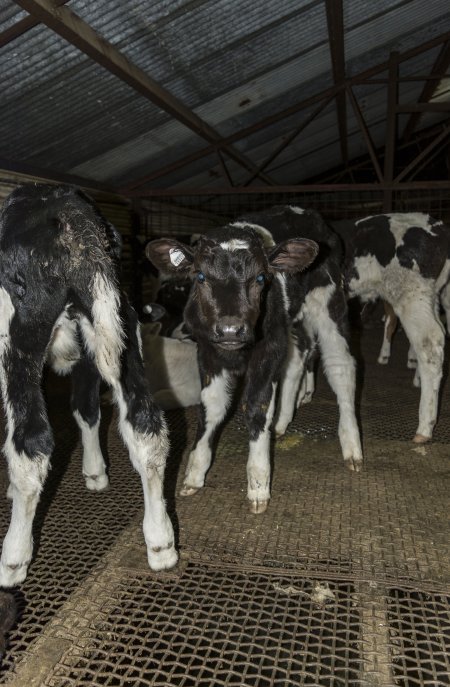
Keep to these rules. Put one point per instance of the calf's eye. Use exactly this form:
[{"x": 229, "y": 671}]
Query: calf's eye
[
  {"x": 261, "y": 278},
  {"x": 201, "y": 277}
]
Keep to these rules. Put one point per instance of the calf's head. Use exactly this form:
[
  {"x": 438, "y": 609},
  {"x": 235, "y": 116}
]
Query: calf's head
[{"x": 231, "y": 273}]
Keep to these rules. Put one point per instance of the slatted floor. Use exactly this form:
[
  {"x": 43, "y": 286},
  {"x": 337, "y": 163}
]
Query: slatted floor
[{"x": 345, "y": 580}]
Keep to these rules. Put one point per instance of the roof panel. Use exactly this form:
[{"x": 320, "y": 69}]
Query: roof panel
[{"x": 233, "y": 63}]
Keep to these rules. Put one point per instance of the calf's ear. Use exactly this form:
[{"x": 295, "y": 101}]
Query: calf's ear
[
  {"x": 169, "y": 256},
  {"x": 293, "y": 255}
]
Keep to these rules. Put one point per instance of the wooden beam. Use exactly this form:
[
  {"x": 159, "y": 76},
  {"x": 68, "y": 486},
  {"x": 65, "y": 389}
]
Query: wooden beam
[
  {"x": 72, "y": 28},
  {"x": 335, "y": 21}
]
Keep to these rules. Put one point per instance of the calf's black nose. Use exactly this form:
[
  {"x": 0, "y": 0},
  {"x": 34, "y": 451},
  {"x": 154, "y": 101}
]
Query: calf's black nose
[{"x": 231, "y": 330}]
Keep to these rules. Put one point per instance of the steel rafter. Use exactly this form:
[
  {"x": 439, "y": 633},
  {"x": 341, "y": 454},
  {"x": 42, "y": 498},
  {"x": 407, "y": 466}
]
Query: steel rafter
[
  {"x": 363, "y": 77},
  {"x": 335, "y": 21},
  {"x": 72, "y": 28}
]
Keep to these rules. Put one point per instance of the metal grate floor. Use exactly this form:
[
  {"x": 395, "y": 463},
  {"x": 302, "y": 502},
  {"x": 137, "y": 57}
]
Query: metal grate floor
[{"x": 345, "y": 580}]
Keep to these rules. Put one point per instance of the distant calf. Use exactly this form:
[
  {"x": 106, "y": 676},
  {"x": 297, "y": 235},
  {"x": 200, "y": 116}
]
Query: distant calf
[
  {"x": 403, "y": 258},
  {"x": 60, "y": 302},
  {"x": 171, "y": 368},
  {"x": 251, "y": 307}
]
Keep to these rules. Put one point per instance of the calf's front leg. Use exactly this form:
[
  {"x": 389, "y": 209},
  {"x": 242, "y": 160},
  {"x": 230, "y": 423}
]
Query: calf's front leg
[
  {"x": 215, "y": 399},
  {"x": 259, "y": 408}
]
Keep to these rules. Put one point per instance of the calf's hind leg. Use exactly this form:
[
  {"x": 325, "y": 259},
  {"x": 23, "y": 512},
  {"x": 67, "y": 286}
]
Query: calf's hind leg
[
  {"x": 339, "y": 367},
  {"x": 28, "y": 448},
  {"x": 86, "y": 411},
  {"x": 426, "y": 334},
  {"x": 144, "y": 431}
]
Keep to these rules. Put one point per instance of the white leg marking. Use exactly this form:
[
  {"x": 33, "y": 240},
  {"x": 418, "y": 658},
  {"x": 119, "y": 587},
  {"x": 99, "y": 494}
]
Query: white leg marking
[
  {"x": 148, "y": 454},
  {"x": 339, "y": 368},
  {"x": 292, "y": 375},
  {"x": 215, "y": 398},
  {"x": 27, "y": 476},
  {"x": 258, "y": 464},
  {"x": 307, "y": 388},
  {"x": 94, "y": 471},
  {"x": 426, "y": 334},
  {"x": 385, "y": 351}
]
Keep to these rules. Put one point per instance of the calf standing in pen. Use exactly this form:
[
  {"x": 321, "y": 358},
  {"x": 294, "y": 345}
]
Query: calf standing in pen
[
  {"x": 404, "y": 258},
  {"x": 246, "y": 303},
  {"x": 60, "y": 301}
]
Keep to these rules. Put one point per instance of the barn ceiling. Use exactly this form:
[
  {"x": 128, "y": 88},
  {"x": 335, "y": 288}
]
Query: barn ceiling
[{"x": 140, "y": 95}]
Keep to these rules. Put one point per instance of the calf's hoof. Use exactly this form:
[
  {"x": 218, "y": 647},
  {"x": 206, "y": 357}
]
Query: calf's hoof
[
  {"x": 11, "y": 575},
  {"x": 353, "y": 464},
  {"x": 421, "y": 439},
  {"x": 97, "y": 482},
  {"x": 162, "y": 557},
  {"x": 188, "y": 490},
  {"x": 258, "y": 507}
]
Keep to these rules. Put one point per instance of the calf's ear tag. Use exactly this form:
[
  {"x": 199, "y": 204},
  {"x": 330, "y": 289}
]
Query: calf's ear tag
[{"x": 176, "y": 256}]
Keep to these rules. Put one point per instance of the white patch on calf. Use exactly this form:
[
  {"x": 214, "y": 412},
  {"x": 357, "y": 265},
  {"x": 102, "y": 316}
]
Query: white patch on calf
[
  {"x": 296, "y": 209},
  {"x": 282, "y": 279},
  {"x": 264, "y": 233},
  {"x": 392, "y": 283},
  {"x": 104, "y": 337},
  {"x": 400, "y": 222},
  {"x": 64, "y": 349},
  {"x": 7, "y": 311},
  {"x": 235, "y": 244}
]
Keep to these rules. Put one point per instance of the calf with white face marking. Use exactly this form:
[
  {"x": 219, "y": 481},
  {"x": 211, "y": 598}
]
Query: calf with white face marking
[
  {"x": 404, "y": 258},
  {"x": 60, "y": 302},
  {"x": 243, "y": 301}
]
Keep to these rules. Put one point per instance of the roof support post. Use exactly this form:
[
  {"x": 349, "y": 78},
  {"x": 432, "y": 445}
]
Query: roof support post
[{"x": 391, "y": 130}]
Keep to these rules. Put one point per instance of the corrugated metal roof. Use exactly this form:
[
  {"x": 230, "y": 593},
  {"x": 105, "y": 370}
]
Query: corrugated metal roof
[{"x": 232, "y": 63}]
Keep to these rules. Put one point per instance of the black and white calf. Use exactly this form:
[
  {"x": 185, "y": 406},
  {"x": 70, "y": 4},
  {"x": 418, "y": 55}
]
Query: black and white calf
[
  {"x": 60, "y": 302},
  {"x": 251, "y": 305},
  {"x": 404, "y": 258}
]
